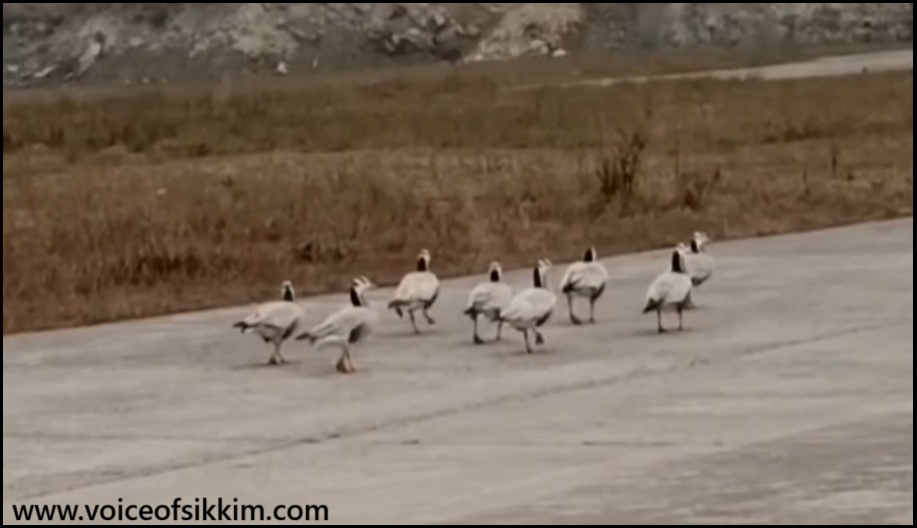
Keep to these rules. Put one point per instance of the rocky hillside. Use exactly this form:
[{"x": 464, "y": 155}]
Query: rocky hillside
[{"x": 144, "y": 43}]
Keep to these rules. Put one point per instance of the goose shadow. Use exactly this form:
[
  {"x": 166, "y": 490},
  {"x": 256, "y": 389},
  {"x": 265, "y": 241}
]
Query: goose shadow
[
  {"x": 265, "y": 366},
  {"x": 567, "y": 323},
  {"x": 520, "y": 353},
  {"x": 653, "y": 332},
  {"x": 698, "y": 308},
  {"x": 313, "y": 369},
  {"x": 410, "y": 334},
  {"x": 515, "y": 349}
]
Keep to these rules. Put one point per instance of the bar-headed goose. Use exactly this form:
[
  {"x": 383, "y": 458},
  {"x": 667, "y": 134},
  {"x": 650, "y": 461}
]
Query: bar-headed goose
[
  {"x": 418, "y": 291},
  {"x": 348, "y": 327},
  {"x": 275, "y": 322},
  {"x": 671, "y": 291},
  {"x": 700, "y": 264},
  {"x": 586, "y": 278},
  {"x": 488, "y": 299},
  {"x": 531, "y": 308}
]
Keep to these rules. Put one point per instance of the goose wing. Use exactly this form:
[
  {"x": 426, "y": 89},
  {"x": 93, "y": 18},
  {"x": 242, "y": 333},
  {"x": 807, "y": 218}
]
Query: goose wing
[
  {"x": 489, "y": 296},
  {"x": 668, "y": 288},
  {"x": 479, "y": 296},
  {"x": 594, "y": 276},
  {"x": 680, "y": 289},
  {"x": 342, "y": 323},
  {"x": 530, "y": 304},
  {"x": 405, "y": 289},
  {"x": 660, "y": 288},
  {"x": 572, "y": 277},
  {"x": 275, "y": 314},
  {"x": 501, "y": 295},
  {"x": 417, "y": 286},
  {"x": 581, "y": 275},
  {"x": 700, "y": 267},
  {"x": 427, "y": 286}
]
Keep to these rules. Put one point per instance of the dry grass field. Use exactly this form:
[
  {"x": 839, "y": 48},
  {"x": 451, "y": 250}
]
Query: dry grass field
[{"x": 141, "y": 202}]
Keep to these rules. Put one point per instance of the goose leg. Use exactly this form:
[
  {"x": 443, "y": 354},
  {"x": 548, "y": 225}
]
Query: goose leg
[
  {"x": 539, "y": 339},
  {"x": 477, "y": 338},
  {"x": 500, "y": 331},
  {"x": 430, "y": 320},
  {"x": 659, "y": 321},
  {"x": 592, "y": 310},
  {"x": 276, "y": 358},
  {"x": 283, "y": 360},
  {"x": 414, "y": 323},
  {"x": 344, "y": 365},
  {"x": 350, "y": 368},
  {"x": 528, "y": 346},
  {"x": 341, "y": 365},
  {"x": 681, "y": 322},
  {"x": 573, "y": 318}
]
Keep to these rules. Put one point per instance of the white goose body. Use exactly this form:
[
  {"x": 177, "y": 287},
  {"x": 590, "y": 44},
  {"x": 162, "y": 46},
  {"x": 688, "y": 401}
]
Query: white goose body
[
  {"x": 348, "y": 327},
  {"x": 488, "y": 299},
  {"x": 418, "y": 291},
  {"x": 531, "y": 308},
  {"x": 275, "y": 322},
  {"x": 671, "y": 291},
  {"x": 699, "y": 264},
  {"x": 587, "y": 278}
]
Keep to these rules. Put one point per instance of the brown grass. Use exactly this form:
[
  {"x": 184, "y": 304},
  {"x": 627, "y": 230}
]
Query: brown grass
[{"x": 139, "y": 203}]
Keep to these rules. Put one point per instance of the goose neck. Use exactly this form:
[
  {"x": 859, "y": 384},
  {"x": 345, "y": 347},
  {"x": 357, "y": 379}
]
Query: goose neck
[
  {"x": 356, "y": 298},
  {"x": 677, "y": 266},
  {"x": 288, "y": 295}
]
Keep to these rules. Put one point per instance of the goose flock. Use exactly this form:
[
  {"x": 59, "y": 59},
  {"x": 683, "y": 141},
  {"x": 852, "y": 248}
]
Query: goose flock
[{"x": 526, "y": 311}]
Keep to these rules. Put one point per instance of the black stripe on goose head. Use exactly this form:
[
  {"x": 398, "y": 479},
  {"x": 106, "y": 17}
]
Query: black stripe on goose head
[
  {"x": 358, "y": 292},
  {"x": 496, "y": 274},
  {"x": 541, "y": 273},
  {"x": 356, "y": 298},
  {"x": 539, "y": 279},
  {"x": 423, "y": 261},
  {"x": 287, "y": 292},
  {"x": 695, "y": 246},
  {"x": 677, "y": 264},
  {"x": 591, "y": 255}
]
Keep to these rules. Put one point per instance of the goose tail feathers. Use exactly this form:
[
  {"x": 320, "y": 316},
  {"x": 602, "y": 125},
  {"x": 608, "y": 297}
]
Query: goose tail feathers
[
  {"x": 307, "y": 336},
  {"x": 396, "y": 305},
  {"x": 651, "y": 306}
]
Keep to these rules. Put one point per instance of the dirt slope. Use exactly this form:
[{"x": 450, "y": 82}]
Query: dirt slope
[{"x": 48, "y": 43}]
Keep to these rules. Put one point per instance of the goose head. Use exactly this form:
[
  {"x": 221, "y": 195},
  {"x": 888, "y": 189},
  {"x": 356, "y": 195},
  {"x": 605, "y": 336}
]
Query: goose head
[
  {"x": 699, "y": 242},
  {"x": 495, "y": 271},
  {"x": 591, "y": 255},
  {"x": 358, "y": 290},
  {"x": 287, "y": 293},
  {"x": 423, "y": 260},
  {"x": 541, "y": 273},
  {"x": 678, "y": 258}
]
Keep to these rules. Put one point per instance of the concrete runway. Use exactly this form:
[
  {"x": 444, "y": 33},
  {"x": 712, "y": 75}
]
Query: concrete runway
[
  {"x": 831, "y": 66},
  {"x": 789, "y": 400}
]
